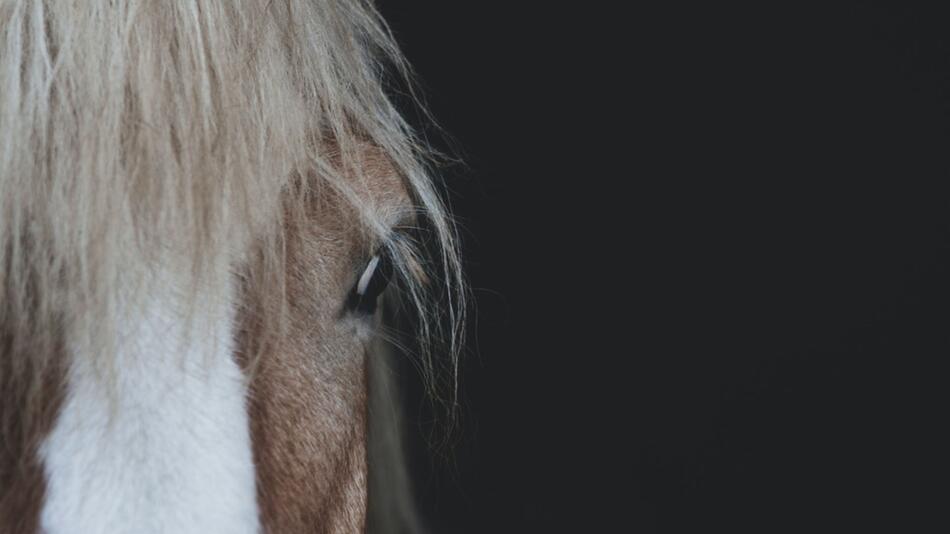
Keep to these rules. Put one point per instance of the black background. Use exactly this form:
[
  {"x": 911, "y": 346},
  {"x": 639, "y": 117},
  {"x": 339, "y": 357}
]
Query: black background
[{"x": 710, "y": 250}]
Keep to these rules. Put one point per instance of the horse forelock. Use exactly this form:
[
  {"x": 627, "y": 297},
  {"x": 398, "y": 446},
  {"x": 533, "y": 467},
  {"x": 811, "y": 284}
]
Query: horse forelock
[{"x": 144, "y": 138}]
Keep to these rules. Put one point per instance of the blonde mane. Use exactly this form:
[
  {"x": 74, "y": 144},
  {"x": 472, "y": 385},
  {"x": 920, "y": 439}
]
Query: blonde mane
[{"x": 134, "y": 128}]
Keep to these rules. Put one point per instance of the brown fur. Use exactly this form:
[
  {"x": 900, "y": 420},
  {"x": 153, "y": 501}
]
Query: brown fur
[
  {"x": 22, "y": 481},
  {"x": 309, "y": 391}
]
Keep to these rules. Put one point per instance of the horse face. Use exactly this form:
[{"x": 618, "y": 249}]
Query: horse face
[{"x": 199, "y": 430}]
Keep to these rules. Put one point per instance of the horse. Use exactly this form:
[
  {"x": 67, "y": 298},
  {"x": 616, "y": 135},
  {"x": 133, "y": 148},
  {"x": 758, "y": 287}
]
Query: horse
[{"x": 205, "y": 208}]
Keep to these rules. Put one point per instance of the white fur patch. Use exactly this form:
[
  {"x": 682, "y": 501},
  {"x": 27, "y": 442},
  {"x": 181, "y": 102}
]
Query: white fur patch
[{"x": 172, "y": 454}]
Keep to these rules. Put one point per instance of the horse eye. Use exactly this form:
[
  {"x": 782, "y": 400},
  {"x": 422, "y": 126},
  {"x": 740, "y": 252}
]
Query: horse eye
[{"x": 370, "y": 285}]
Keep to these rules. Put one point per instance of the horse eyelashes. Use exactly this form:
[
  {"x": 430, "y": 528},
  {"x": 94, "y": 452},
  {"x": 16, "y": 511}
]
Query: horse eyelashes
[{"x": 364, "y": 296}]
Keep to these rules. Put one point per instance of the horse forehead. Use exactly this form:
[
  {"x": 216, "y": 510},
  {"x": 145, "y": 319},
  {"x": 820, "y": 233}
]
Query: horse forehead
[
  {"x": 381, "y": 183},
  {"x": 379, "y": 187}
]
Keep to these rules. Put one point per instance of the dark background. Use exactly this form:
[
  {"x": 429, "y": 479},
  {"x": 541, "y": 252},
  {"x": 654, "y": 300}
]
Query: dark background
[{"x": 710, "y": 251}]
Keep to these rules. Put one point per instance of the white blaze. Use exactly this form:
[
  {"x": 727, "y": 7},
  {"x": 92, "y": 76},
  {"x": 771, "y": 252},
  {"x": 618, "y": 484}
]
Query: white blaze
[{"x": 172, "y": 454}]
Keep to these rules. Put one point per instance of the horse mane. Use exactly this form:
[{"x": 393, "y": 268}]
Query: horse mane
[{"x": 134, "y": 128}]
